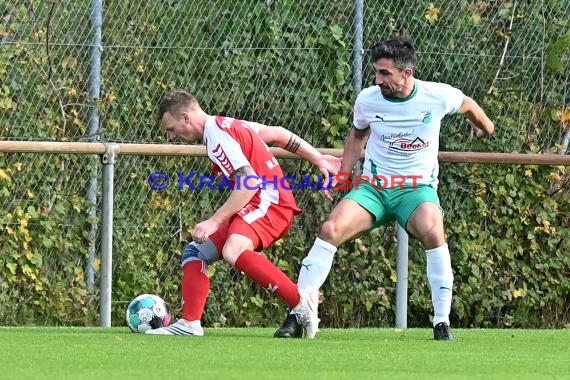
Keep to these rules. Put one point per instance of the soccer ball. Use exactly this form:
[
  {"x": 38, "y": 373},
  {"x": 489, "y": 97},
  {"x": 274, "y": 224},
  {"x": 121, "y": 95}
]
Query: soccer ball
[{"x": 147, "y": 311}]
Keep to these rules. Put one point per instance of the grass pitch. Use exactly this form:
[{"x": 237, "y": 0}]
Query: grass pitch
[{"x": 107, "y": 354}]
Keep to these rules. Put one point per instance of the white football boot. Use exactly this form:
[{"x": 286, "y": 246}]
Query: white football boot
[
  {"x": 180, "y": 327},
  {"x": 307, "y": 312}
]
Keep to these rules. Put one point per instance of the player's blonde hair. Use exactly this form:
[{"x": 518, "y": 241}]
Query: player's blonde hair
[{"x": 174, "y": 102}]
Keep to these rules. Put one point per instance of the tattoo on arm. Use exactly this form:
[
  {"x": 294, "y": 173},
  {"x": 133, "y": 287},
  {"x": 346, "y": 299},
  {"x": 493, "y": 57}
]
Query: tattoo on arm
[
  {"x": 294, "y": 143},
  {"x": 244, "y": 171}
]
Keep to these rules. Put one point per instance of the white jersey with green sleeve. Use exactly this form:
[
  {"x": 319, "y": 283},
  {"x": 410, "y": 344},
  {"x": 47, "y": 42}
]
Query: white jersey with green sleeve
[{"x": 404, "y": 136}]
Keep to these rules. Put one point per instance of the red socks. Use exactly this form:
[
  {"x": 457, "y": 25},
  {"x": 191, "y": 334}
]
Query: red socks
[
  {"x": 257, "y": 267},
  {"x": 263, "y": 272},
  {"x": 195, "y": 288}
]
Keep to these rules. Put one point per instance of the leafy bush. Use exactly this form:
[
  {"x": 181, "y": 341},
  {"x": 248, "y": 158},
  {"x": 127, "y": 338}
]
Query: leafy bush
[{"x": 279, "y": 63}]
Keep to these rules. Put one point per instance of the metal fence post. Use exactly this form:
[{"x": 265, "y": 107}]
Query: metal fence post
[
  {"x": 401, "y": 278},
  {"x": 94, "y": 93},
  {"x": 358, "y": 50},
  {"x": 357, "y": 54},
  {"x": 402, "y": 236},
  {"x": 108, "y": 160}
]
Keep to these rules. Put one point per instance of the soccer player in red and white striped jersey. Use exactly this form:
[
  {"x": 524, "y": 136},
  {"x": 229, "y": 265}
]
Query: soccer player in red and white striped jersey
[{"x": 258, "y": 212}]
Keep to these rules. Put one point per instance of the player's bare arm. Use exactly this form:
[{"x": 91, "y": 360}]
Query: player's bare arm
[
  {"x": 283, "y": 138},
  {"x": 246, "y": 185},
  {"x": 476, "y": 118},
  {"x": 353, "y": 148}
]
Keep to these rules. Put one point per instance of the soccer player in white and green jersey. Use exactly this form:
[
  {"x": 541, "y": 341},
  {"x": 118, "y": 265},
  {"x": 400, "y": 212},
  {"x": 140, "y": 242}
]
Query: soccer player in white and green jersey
[{"x": 398, "y": 120}]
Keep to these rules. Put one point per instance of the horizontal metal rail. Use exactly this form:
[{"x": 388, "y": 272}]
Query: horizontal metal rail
[{"x": 200, "y": 150}]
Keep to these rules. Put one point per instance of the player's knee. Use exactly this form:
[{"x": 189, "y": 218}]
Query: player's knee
[
  {"x": 204, "y": 252},
  {"x": 235, "y": 245},
  {"x": 431, "y": 227},
  {"x": 330, "y": 232},
  {"x": 433, "y": 237},
  {"x": 230, "y": 254},
  {"x": 231, "y": 251},
  {"x": 427, "y": 226}
]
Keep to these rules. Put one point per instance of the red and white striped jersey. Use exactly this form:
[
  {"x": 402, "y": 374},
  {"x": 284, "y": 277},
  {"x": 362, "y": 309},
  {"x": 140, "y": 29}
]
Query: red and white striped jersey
[{"x": 232, "y": 144}]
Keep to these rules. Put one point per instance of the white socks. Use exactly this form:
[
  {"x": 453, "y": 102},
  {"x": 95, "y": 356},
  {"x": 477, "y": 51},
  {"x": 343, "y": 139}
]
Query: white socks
[
  {"x": 440, "y": 277},
  {"x": 316, "y": 265}
]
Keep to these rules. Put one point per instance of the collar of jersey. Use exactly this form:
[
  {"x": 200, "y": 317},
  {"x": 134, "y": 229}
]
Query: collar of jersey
[{"x": 401, "y": 100}]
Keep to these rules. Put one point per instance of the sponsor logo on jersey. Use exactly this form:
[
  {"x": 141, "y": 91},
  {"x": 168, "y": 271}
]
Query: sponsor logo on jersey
[
  {"x": 426, "y": 117},
  {"x": 380, "y": 117},
  {"x": 398, "y": 135},
  {"x": 409, "y": 146}
]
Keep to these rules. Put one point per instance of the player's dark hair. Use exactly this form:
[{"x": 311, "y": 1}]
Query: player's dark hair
[
  {"x": 399, "y": 49},
  {"x": 175, "y": 101}
]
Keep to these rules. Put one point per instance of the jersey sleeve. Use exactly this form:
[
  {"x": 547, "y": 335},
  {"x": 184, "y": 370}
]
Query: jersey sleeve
[
  {"x": 360, "y": 120},
  {"x": 225, "y": 151},
  {"x": 256, "y": 127},
  {"x": 453, "y": 98}
]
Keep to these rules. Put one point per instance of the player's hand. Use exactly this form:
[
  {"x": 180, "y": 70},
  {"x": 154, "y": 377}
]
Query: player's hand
[
  {"x": 478, "y": 132},
  {"x": 329, "y": 166},
  {"x": 331, "y": 163},
  {"x": 327, "y": 193},
  {"x": 203, "y": 230}
]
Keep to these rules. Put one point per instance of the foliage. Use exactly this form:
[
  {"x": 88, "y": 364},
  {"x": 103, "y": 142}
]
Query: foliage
[
  {"x": 554, "y": 60},
  {"x": 508, "y": 226}
]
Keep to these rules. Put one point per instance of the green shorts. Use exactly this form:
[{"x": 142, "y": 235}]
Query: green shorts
[{"x": 389, "y": 204}]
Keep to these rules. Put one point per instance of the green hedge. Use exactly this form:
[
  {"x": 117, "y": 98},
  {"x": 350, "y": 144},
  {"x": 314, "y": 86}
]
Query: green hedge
[{"x": 507, "y": 226}]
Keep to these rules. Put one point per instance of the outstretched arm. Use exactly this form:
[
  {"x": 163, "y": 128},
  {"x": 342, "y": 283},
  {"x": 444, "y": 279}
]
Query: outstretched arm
[
  {"x": 283, "y": 138},
  {"x": 476, "y": 118}
]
